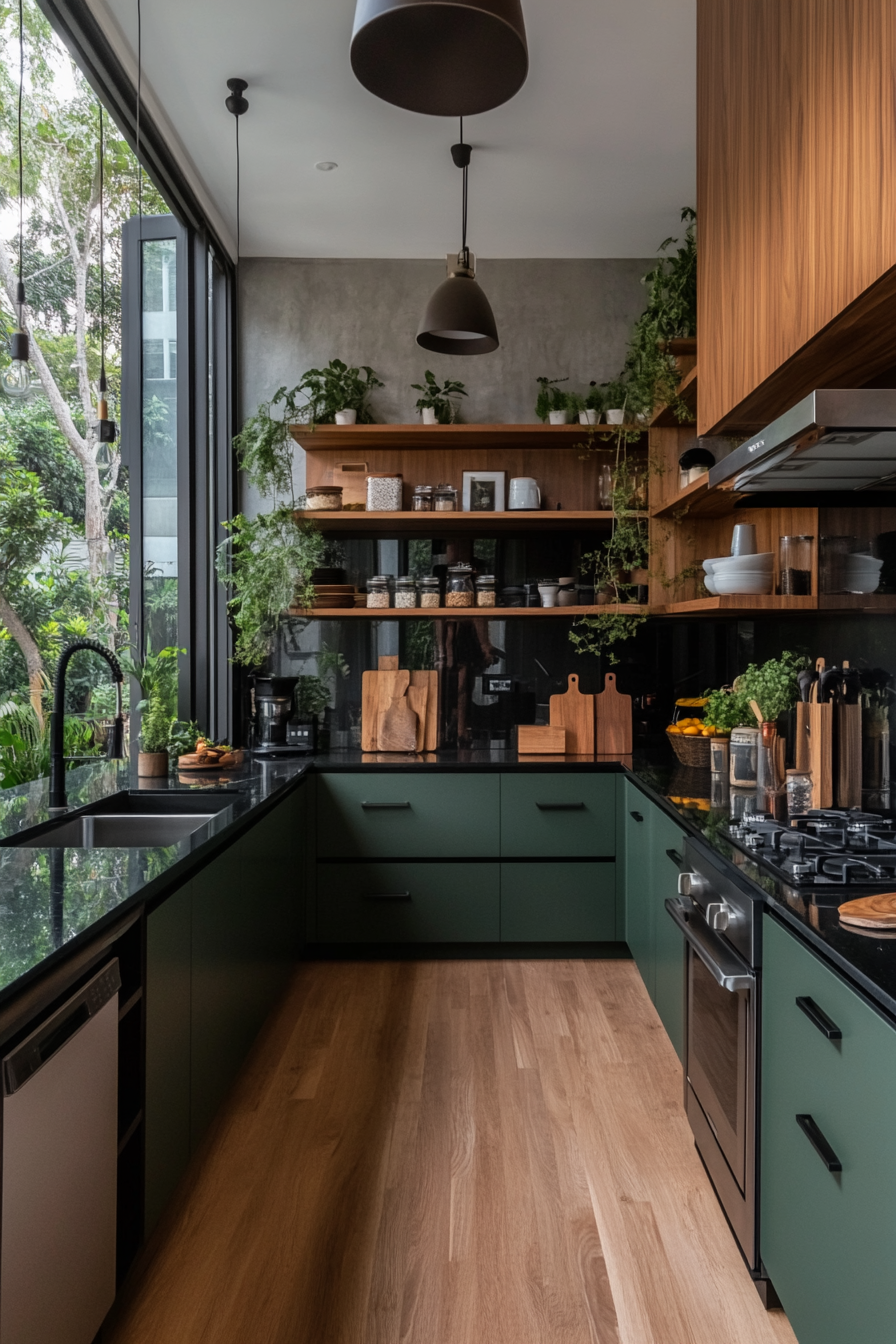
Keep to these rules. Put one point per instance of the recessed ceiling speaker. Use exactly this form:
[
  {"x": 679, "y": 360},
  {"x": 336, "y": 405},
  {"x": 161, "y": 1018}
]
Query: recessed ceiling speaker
[{"x": 447, "y": 58}]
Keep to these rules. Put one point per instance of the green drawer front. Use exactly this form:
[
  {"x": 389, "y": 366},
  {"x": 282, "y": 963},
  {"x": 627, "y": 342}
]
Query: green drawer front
[
  {"x": 562, "y": 816},
  {"x": 558, "y": 902},
  {"x": 827, "y": 1238},
  {"x": 439, "y": 903},
  {"x": 408, "y": 816}
]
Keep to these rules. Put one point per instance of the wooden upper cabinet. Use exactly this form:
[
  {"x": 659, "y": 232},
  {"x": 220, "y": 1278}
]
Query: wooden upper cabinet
[{"x": 796, "y": 199}]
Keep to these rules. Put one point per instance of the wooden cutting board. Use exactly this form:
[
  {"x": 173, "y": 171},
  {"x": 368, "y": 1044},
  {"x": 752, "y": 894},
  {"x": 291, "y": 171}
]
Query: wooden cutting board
[
  {"x": 541, "y": 740},
  {"x": 821, "y": 741},
  {"x": 418, "y": 697},
  {"x": 431, "y": 681},
  {"x": 575, "y": 712},
  {"x": 614, "y": 720},
  {"x": 849, "y": 755},
  {"x": 871, "y": 912},
  {"x": 397, "y": 723},
  {"x": 376, "y": 698}
]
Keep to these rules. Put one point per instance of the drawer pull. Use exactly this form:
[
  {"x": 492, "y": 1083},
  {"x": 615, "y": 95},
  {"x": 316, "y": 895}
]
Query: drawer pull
[
  {"x": 675, "y": 856},
  {"x": 385, "y": 807},
  {"x": 397, "y": 896},
  {"x": 637, "y": 816},
  {"x": 819, "y": 1143},
  {"x": 560, "y": 807},
  {"x": 819, "y": 1018}
]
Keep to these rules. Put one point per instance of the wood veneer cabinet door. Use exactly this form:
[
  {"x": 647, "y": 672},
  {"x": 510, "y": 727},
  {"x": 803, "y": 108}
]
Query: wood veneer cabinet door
[{"x": 796, "y": 201}]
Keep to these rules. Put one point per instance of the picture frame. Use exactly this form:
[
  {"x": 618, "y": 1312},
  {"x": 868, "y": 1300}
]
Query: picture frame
[{"x": 484, "y": 492}]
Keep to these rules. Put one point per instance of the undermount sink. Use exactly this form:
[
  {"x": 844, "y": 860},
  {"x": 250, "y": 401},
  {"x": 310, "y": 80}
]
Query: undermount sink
[{"x": 138, "y": 820}]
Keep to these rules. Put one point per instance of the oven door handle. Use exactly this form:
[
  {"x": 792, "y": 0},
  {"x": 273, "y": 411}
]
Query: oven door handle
[{"x": 724, "y": 966}]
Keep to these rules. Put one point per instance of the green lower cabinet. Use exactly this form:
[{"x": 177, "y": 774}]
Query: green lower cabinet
[
  {"x": 827, "y": 1238},
  {"x": 408, "y": 902},
  {"x": 558, "y": 902},
  {"x": 558, "y": 816},
  {"x": 407, "y": 815},
  {"x": 666, "y": 850},
  {"x": 638, "y": 830},
  {"x": 167, "y": 1099}
]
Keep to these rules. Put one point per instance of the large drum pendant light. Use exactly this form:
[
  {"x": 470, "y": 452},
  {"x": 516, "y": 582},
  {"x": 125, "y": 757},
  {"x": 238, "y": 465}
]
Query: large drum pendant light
[
  {"x": 449, "y": 58},
  {"x": 459, "y": 318}
]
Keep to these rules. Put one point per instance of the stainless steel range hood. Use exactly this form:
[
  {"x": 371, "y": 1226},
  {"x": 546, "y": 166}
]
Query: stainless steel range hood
[{"x": 834, "y": 439}]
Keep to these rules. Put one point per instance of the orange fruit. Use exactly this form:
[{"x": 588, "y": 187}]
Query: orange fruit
[{"x": 690, "y": 731}]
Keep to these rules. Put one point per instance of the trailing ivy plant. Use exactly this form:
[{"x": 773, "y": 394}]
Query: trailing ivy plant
[{"x": 264, "y": 446}]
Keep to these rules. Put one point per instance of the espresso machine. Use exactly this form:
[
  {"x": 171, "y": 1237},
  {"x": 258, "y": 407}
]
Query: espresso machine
[{"x": 273, "y": 706}]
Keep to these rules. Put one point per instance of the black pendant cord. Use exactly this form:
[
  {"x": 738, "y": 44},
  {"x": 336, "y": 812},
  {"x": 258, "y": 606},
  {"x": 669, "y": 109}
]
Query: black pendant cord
[
  {"x": 237, "y": 121},
  {"x": 466, "y": 255},
  {"x": 20, "y": 289}
]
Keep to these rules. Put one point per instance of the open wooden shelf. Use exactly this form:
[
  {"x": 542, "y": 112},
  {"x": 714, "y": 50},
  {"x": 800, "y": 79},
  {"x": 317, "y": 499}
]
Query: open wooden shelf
[
  {"x": 741, "y": 604},
  {"x": 406, "y": 523},
  {"x": 460, "y": 613},
  {"x": 360, "y": 438}
]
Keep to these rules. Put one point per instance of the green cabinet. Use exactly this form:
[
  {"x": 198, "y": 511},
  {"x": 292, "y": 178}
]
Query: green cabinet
[
  {"x": 827, "y": 1237},
  {"x": 566, "y": 816},
  {"x": 407, "y": 815},
  {"x": 558, "y": 902},
  {"x": 638, "y": 832},
  {"x": 408, "y": 902}
]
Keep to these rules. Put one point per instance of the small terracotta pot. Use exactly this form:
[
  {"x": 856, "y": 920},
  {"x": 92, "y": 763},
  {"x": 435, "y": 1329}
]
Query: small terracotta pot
[{"x": 152, "y": 763}]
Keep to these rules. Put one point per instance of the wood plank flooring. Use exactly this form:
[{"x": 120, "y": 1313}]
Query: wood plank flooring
[{"x": 450, "y": 1153}]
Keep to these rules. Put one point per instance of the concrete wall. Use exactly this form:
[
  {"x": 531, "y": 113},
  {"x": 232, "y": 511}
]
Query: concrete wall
[{"x": 555, "y": 317}]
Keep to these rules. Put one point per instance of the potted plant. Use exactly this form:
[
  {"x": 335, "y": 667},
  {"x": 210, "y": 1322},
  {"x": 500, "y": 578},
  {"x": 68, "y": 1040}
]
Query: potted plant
[
  {"x": 552, "y": 402},
  {"x": 338, "y": 394},
  {"x": 615, "y": 399},
  {"x": 435, "y": 405},
  {"x": 157, "y": 678},
  {"x": 588, "y": 407}
]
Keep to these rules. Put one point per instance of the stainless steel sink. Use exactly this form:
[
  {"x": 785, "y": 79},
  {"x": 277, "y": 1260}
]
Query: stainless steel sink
[{"x": 110, "y": 831}]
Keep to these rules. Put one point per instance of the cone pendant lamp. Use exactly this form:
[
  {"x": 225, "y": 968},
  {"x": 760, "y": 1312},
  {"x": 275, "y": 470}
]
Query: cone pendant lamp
[{"x": 448, "y": 58}]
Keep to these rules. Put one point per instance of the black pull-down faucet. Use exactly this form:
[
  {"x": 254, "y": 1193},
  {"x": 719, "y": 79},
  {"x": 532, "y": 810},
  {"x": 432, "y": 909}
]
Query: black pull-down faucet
[{"x": 115, "y": 744}]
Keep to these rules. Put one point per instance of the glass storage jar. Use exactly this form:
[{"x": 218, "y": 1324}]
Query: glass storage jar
[
  {"x": 378, "y": 591},
  {"x": 405, "y": 592},
  {"x": 430, "y": 591},
  {"x": 421, "y": 500},
  {"x": 460, "y": 586},
  {"x": 485, "y": 591},
  {"x": 743, "y": 755},
  {"x": 384, "y": 492},
  {"x": 444, "y": 499},
  {"x": 799, "y": 792},
  {"x": 795, "y": 566},
  {"x": 325, "y": 498}
]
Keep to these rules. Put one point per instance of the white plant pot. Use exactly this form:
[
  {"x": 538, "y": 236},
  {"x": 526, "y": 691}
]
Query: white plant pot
[
  {"x": 588, "y": 417},
  {"x": 557, "y": 417},
  {"x": 346, "y": 417},
  {"x": 428, "y": 414},
  {"x": 615, "y": 417}
]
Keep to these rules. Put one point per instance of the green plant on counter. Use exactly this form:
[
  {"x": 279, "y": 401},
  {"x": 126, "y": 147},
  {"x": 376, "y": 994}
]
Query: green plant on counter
[
  {"x": 156, "y": 676},
  {"x": 182, "y": 735},
  {"x": 338, "y": 387},
  {"x": 438, "y": 397},
  {"x": 268, "y": 562},
  {"x": 551, "y": 397},
  {"x": 726, "y": 709},
  {"x": 773, "y": 685}
]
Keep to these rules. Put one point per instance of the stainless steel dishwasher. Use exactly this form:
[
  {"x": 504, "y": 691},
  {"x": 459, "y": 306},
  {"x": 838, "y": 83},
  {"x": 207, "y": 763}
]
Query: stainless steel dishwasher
[{"x": 60, "y": 1158}]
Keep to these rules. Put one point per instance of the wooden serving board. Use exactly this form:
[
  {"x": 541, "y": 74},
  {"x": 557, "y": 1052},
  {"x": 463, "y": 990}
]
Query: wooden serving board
[
  {"x": 614, "y": 720},
  {"x": 871, "y": 912},
  {"x": 228, "y": 761},
  {"x": 849, "y": 755},
  {"x": 377, "y": 690},
  {"x": 821, "y": 742},
  {"x": 429, "y": 680},
  {"x": 575, "y": 712},
  {"x": 397, "y": 723},
  {"x": 541, "y": 739}
]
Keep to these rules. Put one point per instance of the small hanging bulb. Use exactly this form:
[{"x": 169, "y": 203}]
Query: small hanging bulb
[
  {"x": 16, "y": 377},
  {"x": 105, "y": 429}
]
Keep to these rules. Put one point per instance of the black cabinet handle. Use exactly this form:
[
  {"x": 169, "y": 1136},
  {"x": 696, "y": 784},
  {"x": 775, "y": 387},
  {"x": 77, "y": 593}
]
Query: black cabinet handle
[
  {"x": 819, "y": 1018},
  {"x": 675, "y": 856},
  {"x": 819, "y": 1143},
  {"x": 397, "y": 896},
  {"x": 385, "y": 807},
  {"x": 560, "y": 807},
  {"x": 637, "y": 816}
]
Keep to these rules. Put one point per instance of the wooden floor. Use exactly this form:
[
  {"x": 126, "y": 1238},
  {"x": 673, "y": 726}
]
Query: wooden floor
[{"x": 451, "y": 1153}]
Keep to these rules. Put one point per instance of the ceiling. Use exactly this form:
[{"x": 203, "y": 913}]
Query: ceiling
[{"x": 593, "y": 157}]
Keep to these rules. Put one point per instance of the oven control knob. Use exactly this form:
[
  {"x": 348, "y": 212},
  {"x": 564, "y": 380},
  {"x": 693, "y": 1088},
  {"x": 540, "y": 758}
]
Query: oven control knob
[
  {"x": 718, "y": 915},
  {"x": 692, "y": 884}
]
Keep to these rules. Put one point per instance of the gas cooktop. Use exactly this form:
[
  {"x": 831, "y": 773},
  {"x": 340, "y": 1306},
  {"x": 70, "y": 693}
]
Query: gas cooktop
[{"x": 823, "y": 849}]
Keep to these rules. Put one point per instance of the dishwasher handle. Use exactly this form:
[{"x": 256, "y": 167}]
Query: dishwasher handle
[
  {"x": 52, "y": 1034},
  {"x": 725, "y": 967}
]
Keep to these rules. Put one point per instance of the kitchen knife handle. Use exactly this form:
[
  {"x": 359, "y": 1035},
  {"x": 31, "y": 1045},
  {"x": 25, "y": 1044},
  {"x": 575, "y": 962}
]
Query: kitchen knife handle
[
  {"x": 819, "y": 1018},
  {"x": 638, "y": 816},
  {"x": 395, "y": 896},
  {"x": 385, "y": 807},
  {"x": 819, "y": 1143},
  {"x": 675, "y": 856},
  {"x": 560, "y": 807}
]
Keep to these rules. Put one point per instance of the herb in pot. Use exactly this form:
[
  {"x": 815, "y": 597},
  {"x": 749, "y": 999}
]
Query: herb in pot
[
  {"x": 439, "y": 397},
  {"x": 551, "y": 397}
]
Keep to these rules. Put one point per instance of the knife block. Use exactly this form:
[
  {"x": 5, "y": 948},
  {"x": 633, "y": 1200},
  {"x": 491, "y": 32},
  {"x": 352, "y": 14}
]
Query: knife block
[{"x": 821, "y": 740}]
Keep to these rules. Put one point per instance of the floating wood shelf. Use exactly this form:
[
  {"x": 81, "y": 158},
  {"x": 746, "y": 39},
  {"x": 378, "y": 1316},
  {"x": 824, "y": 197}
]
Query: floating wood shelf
[
  {"x": 360, "y": 438},
  {"x": 740, "y": 604},
  {"x": 460, "y": 613},
  {"x": 408, "y": 524}
]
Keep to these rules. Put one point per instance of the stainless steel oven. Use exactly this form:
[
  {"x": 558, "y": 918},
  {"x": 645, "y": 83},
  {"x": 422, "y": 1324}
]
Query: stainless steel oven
[{"x": 721, "y": 923}]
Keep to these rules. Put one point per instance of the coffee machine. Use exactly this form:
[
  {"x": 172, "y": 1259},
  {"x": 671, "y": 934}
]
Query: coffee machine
[{"x": 273, "y": 705}]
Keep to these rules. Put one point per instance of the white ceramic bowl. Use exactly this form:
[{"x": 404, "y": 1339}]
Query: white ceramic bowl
[
  {"x": 709, "y": 564},
  {"x": 745, "y": 564},
  {"x": 709, "y": 585},
  {"x": 869, "y": 584},
  {"x": 753, "y": 584}
]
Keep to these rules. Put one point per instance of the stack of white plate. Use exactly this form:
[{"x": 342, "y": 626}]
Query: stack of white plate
[
  {"x": 735, "y": 574},
  {"x": 861, "y": 573}
]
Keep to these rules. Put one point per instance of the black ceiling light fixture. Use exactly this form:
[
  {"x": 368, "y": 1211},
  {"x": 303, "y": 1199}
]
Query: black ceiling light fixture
[
  {"x": 448, "y": 58},
  {"x": 16, "y": 377},
  {"x": 105, "y": 429},
  {"x": 459, "y": 318},
  {"x": 237, "y": 104}
]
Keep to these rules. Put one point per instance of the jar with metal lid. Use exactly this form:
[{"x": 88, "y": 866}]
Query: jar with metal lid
[
  {"x": 384, "y": 492},
  {"x": 324, "y": 498},
  {"x": 378, "y": 591},
  {"x": 421, "y": 500},
  {"x": 743, "y": 756},
  {"x": 406, "y": 592},
  {"x": 485, "y": 591},
  {"x": 430, "y": 591},
  {"x": 444, "y": 499},
  {"x": 799, "y": 792},
  {"x": 460, "y": 586}
]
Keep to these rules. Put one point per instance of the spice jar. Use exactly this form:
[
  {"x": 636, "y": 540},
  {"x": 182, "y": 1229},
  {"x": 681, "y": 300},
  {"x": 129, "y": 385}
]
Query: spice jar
[
  {"x": 325, "y": 498},
  {"x": 799, "y": 792},
  {"x": 460, "y": 586},
  {"x": 444, "y": 499},
  {"x": 405, "y": 592},
  {"x": 430, "y": 594},
  {"x": 795, "y": 566},
  {"x": 421, "y": 500},
  {"x": 378, "y": 591},
  {"x": 384, "y": 493},
  {"x": 485, "y": 590}
]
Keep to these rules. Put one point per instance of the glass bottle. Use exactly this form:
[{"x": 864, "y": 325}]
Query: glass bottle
[
  {"x": 430, "y": 594},
  {"x": 605, "y": 486},
  {"x": 460, "y": 586},
  {"x": 768, "y": 774},
  {"x": 421, "y": 501},
  {"x": 444, "y": 499},
  {"x": 795, "y": 566},
  {"x": 799, "y": 792}
]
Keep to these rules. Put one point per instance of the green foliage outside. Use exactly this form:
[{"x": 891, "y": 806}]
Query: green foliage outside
[{"x": 156, "y": 675}]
